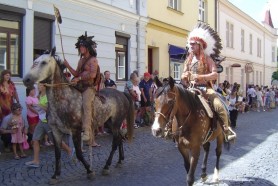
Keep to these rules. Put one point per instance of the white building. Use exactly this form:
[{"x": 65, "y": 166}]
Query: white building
[
  {"x": 28, "y": 27},
  {"x": 247, "y": 45}
]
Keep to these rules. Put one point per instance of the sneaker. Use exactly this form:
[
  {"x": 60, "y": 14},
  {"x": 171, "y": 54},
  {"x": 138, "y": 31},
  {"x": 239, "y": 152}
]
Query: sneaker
[
  {"x": 32, "y": 164},
  {"x": 47, "y": 143},
  {"x": 136, "y": 126}
]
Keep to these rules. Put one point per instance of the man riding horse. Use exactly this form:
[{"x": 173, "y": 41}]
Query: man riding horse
[
  {"x": 85, "y": 74},
  {"x": 200, "y": 70}
]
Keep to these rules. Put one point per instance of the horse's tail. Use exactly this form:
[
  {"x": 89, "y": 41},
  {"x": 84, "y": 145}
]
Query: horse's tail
[{"x": 130, "y": 117}]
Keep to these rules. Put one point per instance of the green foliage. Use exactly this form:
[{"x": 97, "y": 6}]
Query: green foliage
[{"x": 275, "y": 75}]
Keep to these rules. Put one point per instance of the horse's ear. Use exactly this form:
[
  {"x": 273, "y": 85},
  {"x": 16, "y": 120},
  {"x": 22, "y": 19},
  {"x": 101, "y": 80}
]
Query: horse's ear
[
  {"x": 53, "y": 51},
  {"x": 171, "y": 82},
  {"x": 157, "y": 82}
]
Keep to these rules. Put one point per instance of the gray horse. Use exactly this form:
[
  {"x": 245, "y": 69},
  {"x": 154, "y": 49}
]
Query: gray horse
[{"x": 65, "y": 105}]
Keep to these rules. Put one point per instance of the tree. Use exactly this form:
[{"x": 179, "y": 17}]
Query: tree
[{"x": 275, "y": 75}]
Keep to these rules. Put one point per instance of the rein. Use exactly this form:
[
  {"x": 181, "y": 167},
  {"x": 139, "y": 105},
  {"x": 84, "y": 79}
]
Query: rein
[{"x": 57, "y": 84}]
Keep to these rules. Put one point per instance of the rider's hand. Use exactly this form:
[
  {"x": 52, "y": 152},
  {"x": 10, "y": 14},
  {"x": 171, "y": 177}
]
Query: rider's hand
[
  {"x": 185, "y": 75},
  {"x": 75, "y": 81},
  {"x": 66, "y": 63},
  {"x": 195, "y": 77}
]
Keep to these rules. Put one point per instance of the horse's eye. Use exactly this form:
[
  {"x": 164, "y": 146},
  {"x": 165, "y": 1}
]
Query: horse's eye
[{"x": 43, "y": 63}]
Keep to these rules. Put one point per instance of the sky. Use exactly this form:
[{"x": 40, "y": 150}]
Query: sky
[{"x": 256, "y": 9}]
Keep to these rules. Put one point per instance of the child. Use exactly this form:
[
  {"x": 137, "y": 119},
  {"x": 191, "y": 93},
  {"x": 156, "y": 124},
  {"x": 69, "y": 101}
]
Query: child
[
  {"x": 18, "y": 127},
  {"x": 32, "y": 115}
]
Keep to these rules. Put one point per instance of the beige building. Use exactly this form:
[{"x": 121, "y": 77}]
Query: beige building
[
  {"x": 166, "y": 33},
  {"x": 250, "y": 47}
]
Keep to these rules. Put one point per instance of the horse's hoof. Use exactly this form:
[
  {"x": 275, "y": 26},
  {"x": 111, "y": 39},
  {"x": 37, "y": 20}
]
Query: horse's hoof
[
  {"x": 215, "y": 180},
  {"x": 204, "y": 178},
  {"x": 91, "y": 175},
  {"x": 119, "y": 165},
  {"x": 53, "y": 181},
  {"x": 105, "y": 172}
]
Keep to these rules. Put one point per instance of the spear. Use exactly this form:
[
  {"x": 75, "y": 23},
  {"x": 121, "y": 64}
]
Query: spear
[{"x": 59, "y": 21}]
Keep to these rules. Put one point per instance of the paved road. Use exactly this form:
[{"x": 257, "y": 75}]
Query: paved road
[{"x": 149, "y": 161}]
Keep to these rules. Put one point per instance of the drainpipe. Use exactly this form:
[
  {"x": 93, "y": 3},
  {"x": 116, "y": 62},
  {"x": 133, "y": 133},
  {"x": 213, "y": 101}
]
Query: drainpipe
[
  {"x": 138, "y": 40},
  {"x": 264, "y": 59}
]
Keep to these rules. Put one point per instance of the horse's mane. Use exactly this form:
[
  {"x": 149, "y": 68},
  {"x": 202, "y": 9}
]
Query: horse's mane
[{"x": 189, "y": 98}]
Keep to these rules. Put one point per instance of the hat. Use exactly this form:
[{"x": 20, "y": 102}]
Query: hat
[
  {"x": 88, "y": 42},
  {"x": 15, "y": 106},
  {"x": 209, "y": 39},
  {"x": 146, "y": 74}
]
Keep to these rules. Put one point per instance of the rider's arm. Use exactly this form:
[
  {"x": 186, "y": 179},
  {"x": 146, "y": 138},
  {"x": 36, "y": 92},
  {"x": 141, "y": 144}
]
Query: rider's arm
[
  {"x": 185, "y": 75},
  {"x": 72, "y": 71},
  {"x": 212, "y": 69}
]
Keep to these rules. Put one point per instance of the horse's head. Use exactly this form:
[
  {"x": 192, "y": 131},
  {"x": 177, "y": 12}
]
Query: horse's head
[
  {"x": 164, "y": 104},
  {"x": 43, "y": 68}
]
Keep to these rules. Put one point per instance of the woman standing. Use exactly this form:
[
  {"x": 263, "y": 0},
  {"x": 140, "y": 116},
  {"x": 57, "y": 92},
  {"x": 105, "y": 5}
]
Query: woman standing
[
  {"x": 133, "y": 89},
  {"x": 8, "y": 93}
]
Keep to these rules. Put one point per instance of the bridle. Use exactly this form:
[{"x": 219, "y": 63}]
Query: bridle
[{"x": 167, "y": 116}]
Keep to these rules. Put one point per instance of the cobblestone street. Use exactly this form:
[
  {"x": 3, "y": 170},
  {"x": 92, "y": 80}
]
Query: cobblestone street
[{"x": 252, "y": 160}]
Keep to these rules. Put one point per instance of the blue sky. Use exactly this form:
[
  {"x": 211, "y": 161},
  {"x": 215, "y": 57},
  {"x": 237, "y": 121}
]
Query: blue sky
[{"x": 256, "y": 9}]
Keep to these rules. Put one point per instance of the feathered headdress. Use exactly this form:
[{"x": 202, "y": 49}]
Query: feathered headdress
[
  {"x": 204, "y": 35},
  {"x": 88, "y": 42}
]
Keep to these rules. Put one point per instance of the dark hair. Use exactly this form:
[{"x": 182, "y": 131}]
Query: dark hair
[
  {"x": 29, "y": 89},
  {"x": 15, "y": 106},
  {"x": 3, "y": 73},
  {"x": 87, "y": 42},
  {"x": 105, "y": 71}
]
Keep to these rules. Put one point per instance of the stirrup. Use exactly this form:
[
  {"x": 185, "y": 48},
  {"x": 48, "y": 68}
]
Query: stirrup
[{"x": 230, "y": 136}]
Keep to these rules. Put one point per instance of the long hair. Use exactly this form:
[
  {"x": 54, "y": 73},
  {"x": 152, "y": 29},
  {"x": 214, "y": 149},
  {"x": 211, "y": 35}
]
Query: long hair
[{"x": 3, "y": 73}]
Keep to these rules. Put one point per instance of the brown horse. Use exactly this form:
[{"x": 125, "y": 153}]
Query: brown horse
[
  {"x": 173, "y": 100},
  {"x": 65, "y": 106}
]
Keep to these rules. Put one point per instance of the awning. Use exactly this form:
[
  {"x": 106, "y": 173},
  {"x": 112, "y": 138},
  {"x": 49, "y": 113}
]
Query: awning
[{"x": 177, "y": 53}]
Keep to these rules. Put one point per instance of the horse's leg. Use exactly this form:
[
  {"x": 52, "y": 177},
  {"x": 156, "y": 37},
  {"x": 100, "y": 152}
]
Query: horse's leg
[
  {"x": 121, "y": 152},
  {"x": 76, "y": 136},
  {"x": 183, "y": 148},
  {"x": 57, "y": 139},
  {"x": 206, "y": 147},
  {"x": 115, "y": 144},
  {"x": 195, "y": 153},
  {"x": 218, "y": 152}
]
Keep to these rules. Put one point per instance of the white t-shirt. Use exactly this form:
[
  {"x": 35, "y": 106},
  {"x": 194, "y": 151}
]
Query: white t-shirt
[{"x": 138, "y": 92}]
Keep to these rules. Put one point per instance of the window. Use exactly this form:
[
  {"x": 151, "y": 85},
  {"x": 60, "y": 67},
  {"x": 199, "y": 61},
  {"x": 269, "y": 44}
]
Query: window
[
  {"x": 227, "y": 73},
  {"x": 257, "y": 77},
  {"x": 261, "y": 78},
  {"x": 242, "y": 40},
  {"x": 176, "y": 68},
  {"x": 42, "y": 33},
  {"x": 259, "y": 47},
  {"x": 250, "y": 43},
  {"x": 121, "y": 47},
  {"x": 202, "y": 10},
  {"x": 10, "y": 46},
  {"x": 175, "y": 4},
  {"x": 229, "y": 35},
  {"x": 273, "y": 54}
]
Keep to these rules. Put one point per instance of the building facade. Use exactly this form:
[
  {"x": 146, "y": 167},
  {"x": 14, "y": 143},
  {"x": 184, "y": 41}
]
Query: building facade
[
  {"x": 250, "y": 48},
  {"x": 28, "y": 28},
  {"x": 169, "y": 24}
]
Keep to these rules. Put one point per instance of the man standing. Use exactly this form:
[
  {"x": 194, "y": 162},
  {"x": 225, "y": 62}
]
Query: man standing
[
  {"x": 109, "y": 83},
  {"x": 145, "y": 87},
  {"x": 85, "y": 74},
  {"x": 200, "y": 69}
]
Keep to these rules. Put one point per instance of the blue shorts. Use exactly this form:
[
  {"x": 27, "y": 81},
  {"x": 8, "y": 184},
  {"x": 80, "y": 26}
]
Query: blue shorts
[{"x": 40, "y": 131}]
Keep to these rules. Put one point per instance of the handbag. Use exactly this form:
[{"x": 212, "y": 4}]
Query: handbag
[{"x": 25, "y": 144}]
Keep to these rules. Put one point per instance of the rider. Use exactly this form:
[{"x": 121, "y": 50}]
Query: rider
[
  {"x": 200, "y": 69},
  {"x": 85, "y": 73}
]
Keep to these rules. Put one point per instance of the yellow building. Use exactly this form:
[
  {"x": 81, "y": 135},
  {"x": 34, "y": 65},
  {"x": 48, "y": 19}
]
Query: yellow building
[{"x": 170, "y": 22}]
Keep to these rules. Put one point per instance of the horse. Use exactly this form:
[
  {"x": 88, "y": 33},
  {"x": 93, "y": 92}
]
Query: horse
[
  {"x": 173, "y": 101},
  {"x": 111, "y": 107}
]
